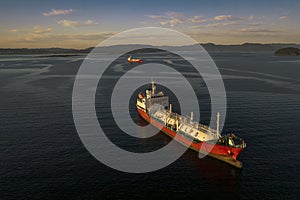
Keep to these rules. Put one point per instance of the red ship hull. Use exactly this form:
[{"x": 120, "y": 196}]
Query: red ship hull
[
  {"x": 221, "y": 152},
  {"x": 135, "y": 61}
]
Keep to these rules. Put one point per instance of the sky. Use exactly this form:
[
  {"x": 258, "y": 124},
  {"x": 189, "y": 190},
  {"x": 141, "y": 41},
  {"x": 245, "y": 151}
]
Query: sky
[{"x": 85, "y": 23}]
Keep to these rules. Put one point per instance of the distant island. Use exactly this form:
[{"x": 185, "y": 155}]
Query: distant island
[
  {"x": 288, "y": 51},
  {"x": 210, "y": 47}
]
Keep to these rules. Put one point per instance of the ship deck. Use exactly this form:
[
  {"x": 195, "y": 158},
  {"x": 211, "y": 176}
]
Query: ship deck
[{"x": 185, "y": 125}]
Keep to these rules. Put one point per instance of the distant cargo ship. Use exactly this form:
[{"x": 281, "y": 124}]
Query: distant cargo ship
[
  {"x": 134, "y": 60},
  {"x": 196, "y": 136}
]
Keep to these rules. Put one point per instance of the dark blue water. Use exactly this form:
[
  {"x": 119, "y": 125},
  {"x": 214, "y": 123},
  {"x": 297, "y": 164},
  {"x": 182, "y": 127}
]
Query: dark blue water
[{"x": 42, "y": 157}]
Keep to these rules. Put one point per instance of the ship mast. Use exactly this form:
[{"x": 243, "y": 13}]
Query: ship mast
[
  {"x": 218, "y": 123},
  {"x": 153, "y": 88},
  {"x": 192, "y": 117}
]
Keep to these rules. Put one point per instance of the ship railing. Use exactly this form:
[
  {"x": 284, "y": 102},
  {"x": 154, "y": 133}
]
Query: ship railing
[
  {"x": 201, "y": 127},
  {"x": 187, "y": 120}
]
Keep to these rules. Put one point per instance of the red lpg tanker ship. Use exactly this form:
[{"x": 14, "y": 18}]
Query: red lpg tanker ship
[
  {"x": 194, "y": 135},
  {"x": 134, "y": 60}
]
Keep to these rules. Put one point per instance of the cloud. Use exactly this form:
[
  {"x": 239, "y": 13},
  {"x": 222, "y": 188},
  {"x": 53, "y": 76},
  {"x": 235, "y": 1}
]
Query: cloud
[
  {"x": 175, "y": 15},
  {"x": 156, "y": 16},
  {"x": 84, "y": 36},
  {"x": 71, "y": 23},
  {"x": 226, "y": 17},
  {"x": 169, "y": 18},
  {"x": 257, "y": 30},
  {"x": 163, "y": 23},
  {"x": 174, "y": 19},
  {"x": 233, "y": 23},
  {"x": 196, "y": 27},
  {"x": 13, "y": 30},
  {"x": 250, "y": 18},
  {"x": 54, "y": 12},
  {"x": 222, "y": 23},
  {"x": 253, "y": 24},
  {"x": 215, "y": 25},
  {"x": 89, "y": 22},
  {"x": 283, "y": 17},
  {"x": 175, "y": 22},
  {"x": 37, "y": 32},
  {"x": 197, "y": 19},
  {"x": 61, "y": 40},
  {"x": 144, "y": 22}
]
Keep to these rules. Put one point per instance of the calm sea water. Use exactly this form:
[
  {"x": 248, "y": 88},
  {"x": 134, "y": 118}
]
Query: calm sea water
[{"x": 42, "y": 156}]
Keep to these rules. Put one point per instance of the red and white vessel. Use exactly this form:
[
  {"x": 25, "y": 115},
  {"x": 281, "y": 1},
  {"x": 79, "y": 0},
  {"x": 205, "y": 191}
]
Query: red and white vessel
[
  {"x": 196, "y": 136},
  {"x": 134, "y": 60}
]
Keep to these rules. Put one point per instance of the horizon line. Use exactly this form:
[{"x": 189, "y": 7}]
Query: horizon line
[{"x": 258, "y": 43}]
